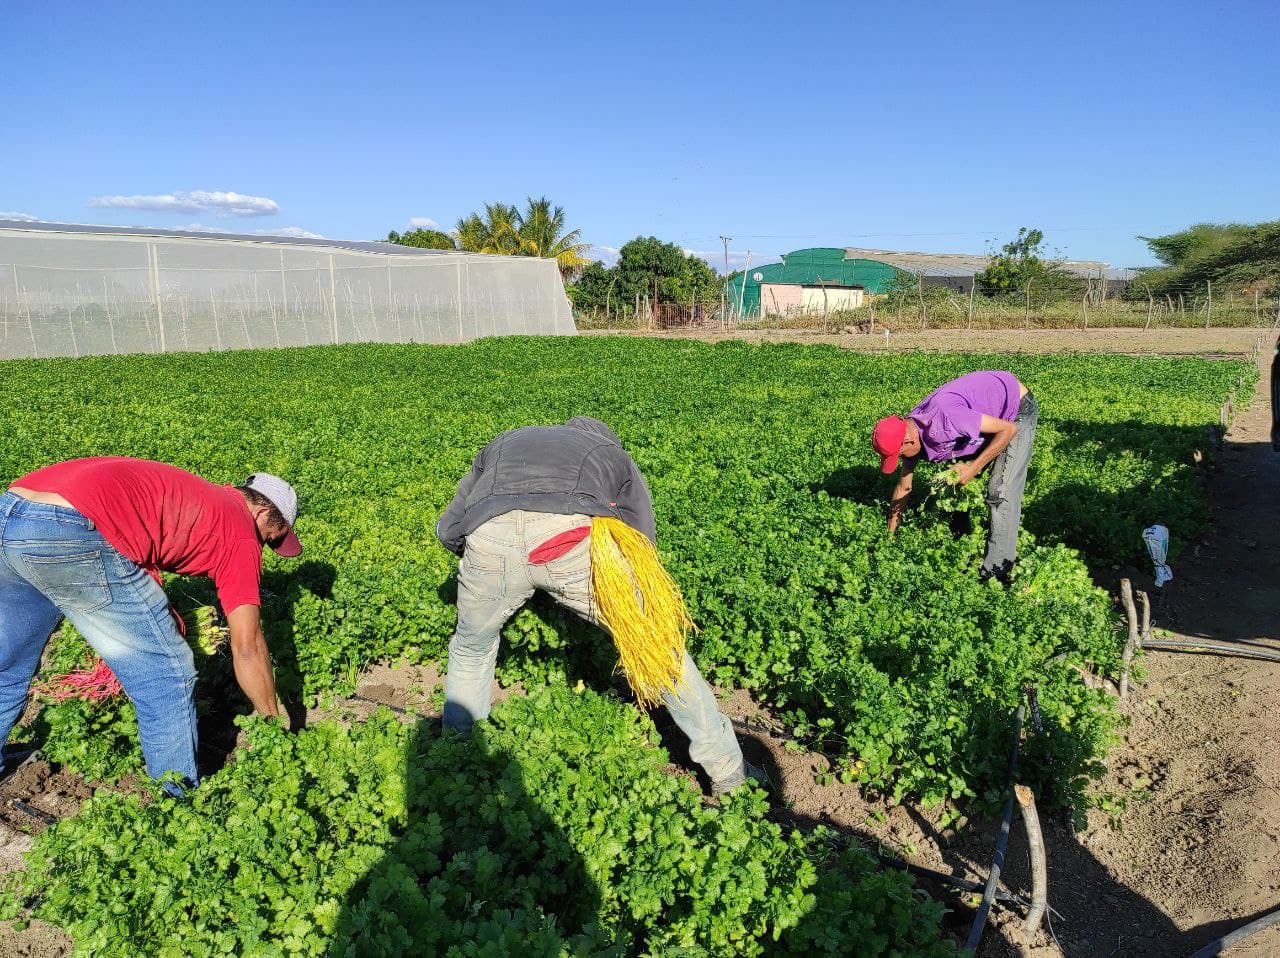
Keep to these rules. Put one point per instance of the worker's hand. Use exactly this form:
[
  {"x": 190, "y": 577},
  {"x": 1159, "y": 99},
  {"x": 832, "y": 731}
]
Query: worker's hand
[{"x": 964, "y": 473}]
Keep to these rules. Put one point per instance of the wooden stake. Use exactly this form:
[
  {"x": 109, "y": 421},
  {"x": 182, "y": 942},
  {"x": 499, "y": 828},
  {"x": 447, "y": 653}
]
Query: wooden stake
[
  {"x": 1039, "y": 870},
  {"x": 1126, "y": 595},
  {"x": 1151, "y": 305}
]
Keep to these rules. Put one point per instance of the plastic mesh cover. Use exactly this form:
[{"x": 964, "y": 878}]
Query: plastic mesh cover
[{"x": 76, "y": 294}]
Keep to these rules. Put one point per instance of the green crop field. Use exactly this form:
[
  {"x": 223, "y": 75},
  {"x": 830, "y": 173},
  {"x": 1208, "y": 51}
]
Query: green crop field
[{"x": 885, "y": 652}]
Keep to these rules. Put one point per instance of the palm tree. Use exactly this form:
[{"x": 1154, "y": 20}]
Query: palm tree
[
  {"x": 498, "y": 231},
  {"x": 538, "y": 231},
  {"x": 542, "y": 230}
]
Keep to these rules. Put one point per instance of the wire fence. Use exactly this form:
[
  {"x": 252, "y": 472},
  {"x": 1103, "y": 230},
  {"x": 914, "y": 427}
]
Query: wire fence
[{"x": 928, "y": 304}]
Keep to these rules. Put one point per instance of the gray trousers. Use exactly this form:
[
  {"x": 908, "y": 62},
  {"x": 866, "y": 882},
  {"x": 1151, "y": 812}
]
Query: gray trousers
[
  {"x": 495, "y": 579},
  {"x": 1004, "y": 492}
]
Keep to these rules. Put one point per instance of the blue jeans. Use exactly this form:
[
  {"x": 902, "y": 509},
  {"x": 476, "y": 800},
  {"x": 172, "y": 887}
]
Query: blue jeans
[
  {"x": 495, "y": 579},
  {"x": 53, "y": 563}
]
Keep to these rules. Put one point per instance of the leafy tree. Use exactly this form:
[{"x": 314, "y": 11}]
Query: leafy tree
[
  {"x": 423, "y": 239},
  {"x": 1238, "y": 255},
  {"x": 665, "y": 273},
  {"x": 595, "y": 289},
  {"x": 537, "y": 231},
  {"x": 1020, "y": 262}
]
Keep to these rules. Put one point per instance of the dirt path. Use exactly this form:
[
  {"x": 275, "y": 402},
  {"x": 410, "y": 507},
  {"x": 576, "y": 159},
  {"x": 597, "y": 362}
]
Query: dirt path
[
  {"x": 1206, "y": 342},
  {"x": 1202, "y": 846}
]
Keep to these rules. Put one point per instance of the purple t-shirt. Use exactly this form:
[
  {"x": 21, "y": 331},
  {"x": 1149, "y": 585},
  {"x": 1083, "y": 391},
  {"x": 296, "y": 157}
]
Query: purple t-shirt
[{"x": 949, "y": 417}]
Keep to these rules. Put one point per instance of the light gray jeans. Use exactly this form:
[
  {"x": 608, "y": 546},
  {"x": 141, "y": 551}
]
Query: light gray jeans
[
  {"x": 495, "y": 579},
  {"x": 1004, "y": 492}
]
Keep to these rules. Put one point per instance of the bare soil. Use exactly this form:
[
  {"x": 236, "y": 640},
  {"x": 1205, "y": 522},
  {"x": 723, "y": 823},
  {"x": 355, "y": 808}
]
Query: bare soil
[{"x": 1172, "y": 342}]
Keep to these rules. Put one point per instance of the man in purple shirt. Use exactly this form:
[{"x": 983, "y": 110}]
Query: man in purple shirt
[{"x": 980, "y": 418}]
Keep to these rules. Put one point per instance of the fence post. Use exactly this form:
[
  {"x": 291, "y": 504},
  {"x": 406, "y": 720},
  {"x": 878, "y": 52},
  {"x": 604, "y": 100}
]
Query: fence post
[
  {"x": 924, "y": 314},
  {"x": 1256, "y": 319},
  {"x": 1084, "y": 309},
  {"x": 284, "y": 294},
  {"x": 1208, "y": 309},
  {"x": 973, "y": 284},
  {"x": 1151, "y": 305},
  {"x": 1026, "y": 320},
  {"x": 461, "y": 337},
  {"x": 155, "y": 287},
  {"x": 333, "y": 300}
]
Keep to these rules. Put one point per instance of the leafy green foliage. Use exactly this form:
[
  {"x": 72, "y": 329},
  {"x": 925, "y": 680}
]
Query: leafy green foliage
[
  {"x": 423, "y": 239},
  {"x": 538, "y": 230},
  {"x": 1021, "y": 263},
  {"x": 553, "y": 832},
  {"x": 1232, "y": 256},
  {"x": 646, "y": 266},
  {"x": 769, "y": 516}
]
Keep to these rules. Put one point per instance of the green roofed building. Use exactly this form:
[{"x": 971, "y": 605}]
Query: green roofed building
[{"x": 829, "y": 278}]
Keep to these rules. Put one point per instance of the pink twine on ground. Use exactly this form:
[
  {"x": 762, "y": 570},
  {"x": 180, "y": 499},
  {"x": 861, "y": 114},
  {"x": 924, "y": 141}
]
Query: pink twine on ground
[{"x": 92, "y": 684}]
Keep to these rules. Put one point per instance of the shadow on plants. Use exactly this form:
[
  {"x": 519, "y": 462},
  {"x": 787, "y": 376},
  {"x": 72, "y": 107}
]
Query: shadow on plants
[
  {"x": 859, "y": 483},
  {"x": 1112, "y": 480},
  {"x": 478, "y": 866},
  {"x": 223, "y": 701}
]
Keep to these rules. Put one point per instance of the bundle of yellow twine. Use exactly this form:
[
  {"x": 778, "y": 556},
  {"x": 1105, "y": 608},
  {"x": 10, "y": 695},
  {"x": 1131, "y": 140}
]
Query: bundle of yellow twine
[{"x": 641, "y": 606}]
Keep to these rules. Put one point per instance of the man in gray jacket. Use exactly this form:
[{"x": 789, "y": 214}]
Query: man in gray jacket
[{"x": 521, "y": 521}]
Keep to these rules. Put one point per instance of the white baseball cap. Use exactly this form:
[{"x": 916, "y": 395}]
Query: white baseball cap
[{"x": 285, "y": 499}]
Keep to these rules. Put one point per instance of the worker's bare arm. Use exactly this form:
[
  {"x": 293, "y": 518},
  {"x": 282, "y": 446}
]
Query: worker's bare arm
[
  {"x": 901, "y": 493},
  {"x": 251, "y": 660},
  {"x": 1001, "y": 432}
]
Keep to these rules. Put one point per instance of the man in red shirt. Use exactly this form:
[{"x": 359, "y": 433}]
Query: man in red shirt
[{"x": 88, "y": 539}]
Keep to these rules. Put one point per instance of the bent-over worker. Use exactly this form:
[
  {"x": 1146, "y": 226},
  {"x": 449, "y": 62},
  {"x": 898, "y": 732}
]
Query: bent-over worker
[
  {"x": 88, "y": 538},
  {"x": 564, "y": 509},
  {"x": 984, "y": 418}
]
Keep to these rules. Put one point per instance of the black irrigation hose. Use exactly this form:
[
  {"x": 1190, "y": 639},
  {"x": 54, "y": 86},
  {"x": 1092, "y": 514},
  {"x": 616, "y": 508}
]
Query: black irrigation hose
[
  {"x": 33, "y": 812},
  {"x": 993, "y": 878},
  {"x": 1212, "y": 648},
  {"x": 1237, "y": 936}
]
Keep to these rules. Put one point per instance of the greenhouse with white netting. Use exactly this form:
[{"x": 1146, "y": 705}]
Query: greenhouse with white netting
[{"x": 87, "y": 290}]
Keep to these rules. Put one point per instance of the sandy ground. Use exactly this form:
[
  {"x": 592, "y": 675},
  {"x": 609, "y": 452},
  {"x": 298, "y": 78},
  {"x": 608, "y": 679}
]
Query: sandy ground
[{"x": 1211, "y": 342}]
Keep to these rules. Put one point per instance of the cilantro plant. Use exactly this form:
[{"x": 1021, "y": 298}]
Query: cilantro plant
[
  {"x": 770, "y": 516},
  {"x": 553, "y": 831}
]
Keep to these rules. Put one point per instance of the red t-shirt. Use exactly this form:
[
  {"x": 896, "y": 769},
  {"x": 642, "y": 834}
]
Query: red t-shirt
[{"x": 164, "y": 518}]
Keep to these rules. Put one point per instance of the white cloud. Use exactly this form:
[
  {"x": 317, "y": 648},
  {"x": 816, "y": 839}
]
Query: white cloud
[
  {"x": 296, "y": 231},
  {"x": 198, "y": 201},
  {"x": 609, "y": 254},
  {"x": 423, "y": 223},
  {"x": 20, "y": 217},
  {"x": 737, "y": 258}
]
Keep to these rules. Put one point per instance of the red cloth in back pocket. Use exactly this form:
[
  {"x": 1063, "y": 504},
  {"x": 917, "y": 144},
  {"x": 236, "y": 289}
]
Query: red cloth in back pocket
[{"x": 557, "y": 546}]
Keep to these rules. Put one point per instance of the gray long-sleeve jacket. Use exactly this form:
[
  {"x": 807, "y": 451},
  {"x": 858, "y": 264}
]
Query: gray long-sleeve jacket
[{"x": 579, "y": 467}]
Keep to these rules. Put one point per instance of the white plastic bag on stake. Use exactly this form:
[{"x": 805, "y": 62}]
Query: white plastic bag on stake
[{"x": 1157, "y": 539}]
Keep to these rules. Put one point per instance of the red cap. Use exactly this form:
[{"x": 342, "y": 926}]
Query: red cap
[{"x": 887, "y": 438}]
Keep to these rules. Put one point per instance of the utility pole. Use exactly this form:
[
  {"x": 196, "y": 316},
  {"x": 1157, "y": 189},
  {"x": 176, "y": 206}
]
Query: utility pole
[{"x": 724, "y": 283}]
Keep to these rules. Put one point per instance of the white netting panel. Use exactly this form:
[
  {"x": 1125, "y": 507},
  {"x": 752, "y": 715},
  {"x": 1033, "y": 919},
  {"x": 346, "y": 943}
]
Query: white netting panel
[{"x": 77, "y": 294}]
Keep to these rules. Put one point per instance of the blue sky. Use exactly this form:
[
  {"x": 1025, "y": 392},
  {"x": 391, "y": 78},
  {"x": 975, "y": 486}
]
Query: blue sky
[{"x": 930, "y": 126}]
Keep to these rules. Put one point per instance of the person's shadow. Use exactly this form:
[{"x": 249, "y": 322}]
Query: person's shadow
[
  {"x": 219, "y": 699},
  {"x": 478, "y": 866}
]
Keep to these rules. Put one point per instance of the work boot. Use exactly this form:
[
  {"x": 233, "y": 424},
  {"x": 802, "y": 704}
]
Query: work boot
[{"x": 739, "y": 778}]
